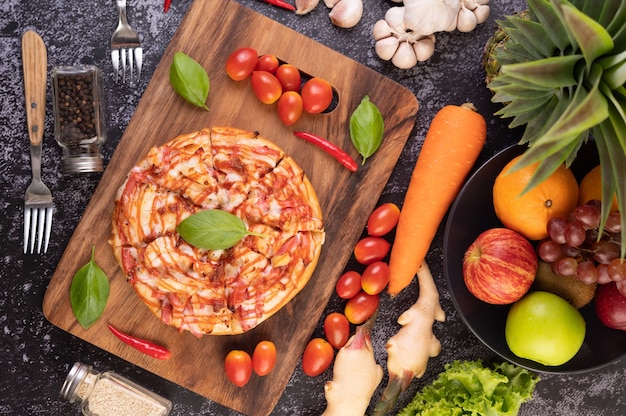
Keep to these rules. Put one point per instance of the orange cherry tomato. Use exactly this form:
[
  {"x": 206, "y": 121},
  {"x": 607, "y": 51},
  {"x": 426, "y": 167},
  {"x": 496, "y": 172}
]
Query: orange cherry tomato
[
  {"x": 361, "y": 307},
  {"x": 348, "y": 285},
  {"x": 266, "y": 87},
  {"x": 375, "y": 277},
  {"x": 241, "y": 63},
  {"x": 238, "y": 365},
  {"x": 317, "y": 94},
  {"x": 383, "y": 219},
  {"x": 337, "y": 329},
  {"x": 289, "y": 107},
  {"x": 317, "y": 357},
  {"x": 370, "y": 249},
  {"x": 267, "y": 62},
  {"x": 264, "y": 358},
  {"x": 289, "y": 77}
]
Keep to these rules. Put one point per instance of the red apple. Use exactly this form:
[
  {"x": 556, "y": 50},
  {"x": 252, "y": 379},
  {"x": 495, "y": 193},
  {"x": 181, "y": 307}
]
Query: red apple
[
  {"x": 499, "y": 266},
  {"x": 610, "y": 306}
]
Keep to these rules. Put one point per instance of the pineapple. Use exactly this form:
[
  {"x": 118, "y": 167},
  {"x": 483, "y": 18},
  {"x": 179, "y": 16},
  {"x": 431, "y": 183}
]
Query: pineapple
[{"x": 559, "y": 69}]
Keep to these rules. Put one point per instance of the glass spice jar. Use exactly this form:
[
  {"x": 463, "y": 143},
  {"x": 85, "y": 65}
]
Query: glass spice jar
[
  {"x": 79, "y": 116},
  {"x": 109, "y": 394}
]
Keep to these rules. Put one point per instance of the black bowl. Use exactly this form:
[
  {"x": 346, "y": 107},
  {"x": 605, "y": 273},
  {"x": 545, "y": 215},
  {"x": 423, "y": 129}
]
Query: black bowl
[{"x": 471, "y": 214}]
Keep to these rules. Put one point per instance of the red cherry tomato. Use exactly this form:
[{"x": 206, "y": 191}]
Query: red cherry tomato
[
  {"x": 238, "y": 366},
  {"x": 289, "y": 77},
  {"x": 361, "y": 307},
  {"x": 289, "y": 107},
  {"x": 267, "y": 62},
  {"x": 241, "y": 63},
  {"x": 317, "y": 357},
  {"x": 375, "y": 277},
  {"x": 264, "y": 358},
  {"x": 371, "y": 249},
  {"x": 337, "y": 329},
  {"x": 317, "y": 94},
  {"x": 383, "y": 219},
  {"x": 266, "y": 87},
  {"x": 348, "y": 285}
]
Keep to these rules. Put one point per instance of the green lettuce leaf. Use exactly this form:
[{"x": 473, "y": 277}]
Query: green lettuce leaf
[{"x": 469, "y": 388}]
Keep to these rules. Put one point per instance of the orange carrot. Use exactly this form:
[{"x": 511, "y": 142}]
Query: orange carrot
[{"x": 453, "y": 142}]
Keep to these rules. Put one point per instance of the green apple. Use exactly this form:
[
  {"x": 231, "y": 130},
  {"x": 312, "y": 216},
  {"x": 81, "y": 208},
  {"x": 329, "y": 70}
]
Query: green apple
[{"x": 545, "y": 328}]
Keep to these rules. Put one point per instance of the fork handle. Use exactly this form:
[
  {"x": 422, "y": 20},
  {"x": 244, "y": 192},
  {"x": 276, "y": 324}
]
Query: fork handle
[{"x": 35, "y": 62}]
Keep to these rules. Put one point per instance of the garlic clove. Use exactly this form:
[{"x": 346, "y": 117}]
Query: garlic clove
[
  {"x": 381, "y": 30},
  {"x": 386, "y": 48},
  {"x": 405, "y": 57},
  {"x": 305, "y": 6},
  {"x": 470, "y": 4},
  {"x": 430, "y": 16},
  {"x": 466, "y": 21},
  {"x": 346, "y": 13},
  {"x": 424, "y": 48},
  {"x": 330, "y": 3},
  {"x": 481, "y": 13},
  {"x": 395, "y": 18}
]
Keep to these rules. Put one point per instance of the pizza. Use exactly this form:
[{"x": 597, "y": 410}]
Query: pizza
[{"x": 228, "y": 291}]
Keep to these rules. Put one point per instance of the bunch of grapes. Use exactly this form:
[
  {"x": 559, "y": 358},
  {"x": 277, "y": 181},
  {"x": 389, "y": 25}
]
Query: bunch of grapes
[{"x": 575, "y": 247}]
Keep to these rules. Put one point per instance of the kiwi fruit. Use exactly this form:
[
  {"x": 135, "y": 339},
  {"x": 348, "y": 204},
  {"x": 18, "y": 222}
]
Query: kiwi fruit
[{"x": 569, "y": 288}]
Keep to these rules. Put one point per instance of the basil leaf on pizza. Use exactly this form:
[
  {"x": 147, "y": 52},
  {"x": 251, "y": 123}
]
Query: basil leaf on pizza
[
  {"x": 213, "y": 229},
  {"x": 89, "y": 292}
]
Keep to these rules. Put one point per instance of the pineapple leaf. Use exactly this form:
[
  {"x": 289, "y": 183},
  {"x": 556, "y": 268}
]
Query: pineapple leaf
[
  {"x": 538, "y": 125},
  {"x": 533, "y": 35},
  {"x": 522, "y": 106},
  {"x": 615, "y": 76},
  {"x": 553, "y": 72},
  {"x": 593, "y": 40},
  {"x": 547, "y": 16},
  {"x": 618, "y": 17}
]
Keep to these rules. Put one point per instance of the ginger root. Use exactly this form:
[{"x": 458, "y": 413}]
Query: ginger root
[
  {"x": 355, "y": 376},
  {"x": 414, "y": 344}
]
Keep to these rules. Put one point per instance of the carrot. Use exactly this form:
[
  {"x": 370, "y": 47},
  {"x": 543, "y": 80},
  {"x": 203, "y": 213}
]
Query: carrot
[{"x": 453, "y": 142}]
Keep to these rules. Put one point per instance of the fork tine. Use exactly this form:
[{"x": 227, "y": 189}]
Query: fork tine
[
  {"x": 26, "y": 228},
  {"x": 138, "y": 61},
  {"x": 40, "y": 227},
  {"x": 48, "y": 228},
  {"x": 115, "y": 59},
  {"x": 33, "y": 231},
  {"x": 123, "y": 59},
  {"x": 130, "y": 66}
]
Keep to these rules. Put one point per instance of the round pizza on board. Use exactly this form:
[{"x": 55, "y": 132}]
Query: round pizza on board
[{"x": 227, "y": 291}]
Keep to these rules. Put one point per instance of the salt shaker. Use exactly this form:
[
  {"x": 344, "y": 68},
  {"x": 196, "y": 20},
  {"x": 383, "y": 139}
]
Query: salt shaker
[
  {"x": 110, "y": 394},
  {"x": 79, "y": 116}
]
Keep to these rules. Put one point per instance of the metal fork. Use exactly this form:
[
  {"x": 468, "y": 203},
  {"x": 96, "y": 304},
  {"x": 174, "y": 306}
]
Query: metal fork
[
  {"x": 125, "y": 44},
  {"x": 38, "y": 207}
]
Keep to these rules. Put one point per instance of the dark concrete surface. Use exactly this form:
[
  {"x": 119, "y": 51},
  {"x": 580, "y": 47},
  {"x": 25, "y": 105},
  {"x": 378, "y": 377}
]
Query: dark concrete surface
[{"x": 35, "y": 356}]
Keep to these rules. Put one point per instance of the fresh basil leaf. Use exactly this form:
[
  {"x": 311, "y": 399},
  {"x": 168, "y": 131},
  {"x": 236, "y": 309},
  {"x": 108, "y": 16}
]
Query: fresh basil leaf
[
  {"x": 89, "y": 293},
  {"x": 366, "y": 128},
  {"x": 189, "y": 80},
  {"x": 213, "y": 229}
]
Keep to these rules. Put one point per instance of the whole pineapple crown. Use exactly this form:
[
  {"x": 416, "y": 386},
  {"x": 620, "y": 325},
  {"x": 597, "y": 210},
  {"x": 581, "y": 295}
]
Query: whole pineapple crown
[{"x": 560, "y": 70}]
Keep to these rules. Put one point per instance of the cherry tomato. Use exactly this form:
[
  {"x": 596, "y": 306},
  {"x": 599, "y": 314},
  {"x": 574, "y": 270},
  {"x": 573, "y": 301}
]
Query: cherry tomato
[
  {"x": 383, "y": 219},
  {"x": 348, "y": 285},
  {"x": 267, "y": 62},
  {"x": 241, "y": 63},
  {"x": 337, "y": 329},
  {"x": 371, "y": 249},
  {"x": 238, "y": 366},
  {"x": 266, "y": 87},
  {"x": 375, "y": 278},
  {"x": 317, "y": 357},
  {"x": 362, "y": 306},
  {"x": 264, "y": 358},
  {"x": 317, "y": 94},
  {"x": 289, "y": 107},
  {"x": 289, "y": 77}
]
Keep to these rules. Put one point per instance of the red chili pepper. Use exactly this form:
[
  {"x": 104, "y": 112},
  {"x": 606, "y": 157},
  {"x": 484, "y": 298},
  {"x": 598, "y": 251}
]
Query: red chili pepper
[
  {"x": 142, "y": 345},
  {"x": 281, "y": 3},
  {"x": 330, "y": 148},
  {"x": 166, "y": 5}
]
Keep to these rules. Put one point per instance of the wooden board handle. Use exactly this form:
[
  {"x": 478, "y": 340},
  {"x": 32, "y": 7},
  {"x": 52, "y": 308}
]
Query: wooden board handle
[{"x": 35, "y": 61}]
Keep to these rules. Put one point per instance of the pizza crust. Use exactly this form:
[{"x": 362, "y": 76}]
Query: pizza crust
[{"x": 217, "y": 292}]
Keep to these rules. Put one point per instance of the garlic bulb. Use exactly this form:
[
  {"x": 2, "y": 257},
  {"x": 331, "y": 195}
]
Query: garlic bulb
[{"x": 346, "y": 13}]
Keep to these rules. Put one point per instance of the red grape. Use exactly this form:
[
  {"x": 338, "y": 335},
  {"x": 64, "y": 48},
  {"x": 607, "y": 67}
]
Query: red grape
[
  {"x": 603, "y": 274},
  {"x": 587, "y": 215},
  {"x": 549, "y": 251},
  {"x": 617, "y": 269},
  {"x": 587, "y": 272},
  {"x": 556, "y": 229},
  {"x": 575, "y": 234},
  {"x": 613, "y": 224},
  {"x": 605, "y": 252},
  {"x": 566, "y": 266}
]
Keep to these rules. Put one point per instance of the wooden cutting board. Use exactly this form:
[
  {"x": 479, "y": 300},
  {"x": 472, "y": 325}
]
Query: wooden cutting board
[{"x": 346, "y": 198}]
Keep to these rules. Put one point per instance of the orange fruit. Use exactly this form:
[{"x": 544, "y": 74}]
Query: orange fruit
[
  {"x": 528, "y": 214},
  {"x": 591, "y": 188}
]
